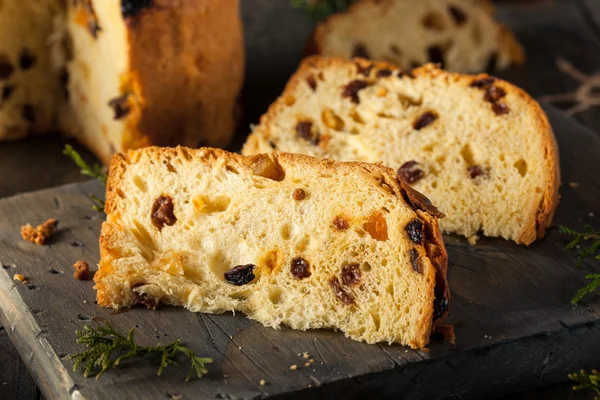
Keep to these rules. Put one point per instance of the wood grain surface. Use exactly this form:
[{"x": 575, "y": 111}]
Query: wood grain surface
[
  {"x": 549, "y": 30},
  {"x": 510, "y": 309}
]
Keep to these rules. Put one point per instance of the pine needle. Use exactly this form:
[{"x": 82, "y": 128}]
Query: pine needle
[
  {"x": 102, "y": 345},
  {"x": 319, "y": 9},
  {"x": 589, "y": 241},
  {"x": 586, "y": 381},
  {"x": 95, "y": 171}
]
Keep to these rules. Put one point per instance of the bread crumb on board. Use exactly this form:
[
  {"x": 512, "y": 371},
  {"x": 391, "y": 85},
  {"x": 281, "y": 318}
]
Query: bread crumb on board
[
  {"x": 40, "y": 234},
  {"x": 20, "y": 277},
  {"x": 293, "y": 367},
  {"x": 82, "y": 270},
  {"x": 262, "y": 382},
  {"x": 473, "y": 239}
]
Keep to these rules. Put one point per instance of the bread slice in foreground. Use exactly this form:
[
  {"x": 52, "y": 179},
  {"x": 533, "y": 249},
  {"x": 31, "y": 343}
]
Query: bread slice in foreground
[
  {"x": 286, "y": 239},
  {"x": 480, "y": 148},
  {"x": 462, "y": 35}
]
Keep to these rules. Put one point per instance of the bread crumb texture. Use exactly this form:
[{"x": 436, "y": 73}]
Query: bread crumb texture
[
  {"x": 234, "y": 237},
  {"x": 82, "y": 270},
  {"x": 480, "y": 148},
  {"x": 41, "y": 233}
]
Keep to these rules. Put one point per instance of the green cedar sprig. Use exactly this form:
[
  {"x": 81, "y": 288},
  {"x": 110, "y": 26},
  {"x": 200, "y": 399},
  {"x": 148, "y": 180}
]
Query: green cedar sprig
[
  {"x": 589, "y": 239},
  {"x": 102, "y": 345},
  {"x": 586, "y": 381},
  {"x": 95, "y": 171},
  {"x": 319, "y": 9}
]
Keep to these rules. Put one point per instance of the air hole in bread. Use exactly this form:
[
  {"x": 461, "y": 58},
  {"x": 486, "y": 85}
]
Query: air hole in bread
[
  {"x": 376, "y": 320},
  {"x": 521, "y": 166},
  {"x": 385, "y": 115},
  {"x": 267, "y": 167},
  {"x": 275, "y": 296},
  {"x": 467, "y": 155},
  {"x": 356, "y": 117},
  {"x": 170, "y": 166},
  {"x": 232, "y": 169},
  {"x": 501, "y": 157},
  {"x": 286, "y": 230},
  {"x": 367, "y": 267},
  {"x": 208, "y": 205},
  {"x": 140, "y": 183},
  {"x": 120, "y": 193}
]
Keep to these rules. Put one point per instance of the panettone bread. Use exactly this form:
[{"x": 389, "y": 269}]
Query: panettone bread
[
  {"x": 32, "y": 87},
  {"x": 154, "y": 72},
  {"x": 286, "y": 239},
  {"x": 462, "y": 35},
  {"x": 480, "y": 148}
]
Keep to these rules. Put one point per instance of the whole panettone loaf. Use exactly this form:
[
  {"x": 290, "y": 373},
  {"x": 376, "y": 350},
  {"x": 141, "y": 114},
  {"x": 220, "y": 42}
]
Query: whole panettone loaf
[
  {"x": 461, "y": 35},
  {"x": 154, "y": 72},
  {"x": 479, "y": 147},
  {"x": 287, "y": 239}
]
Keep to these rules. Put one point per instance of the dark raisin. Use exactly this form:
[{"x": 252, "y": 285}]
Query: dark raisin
[
  {"x": 492, "y": 61},
  {"x": 500, "y": 108},
  {"x": 351, "y": 89},
  {"x": 300, "y": 268},
  {"x": 364, "y": 70},
  {"x": 272, "y": 144},
  {"x": 360, "y": 51},
  {"x": 440, "y": 306},
  {"x": 410, "y": 172},
  {"x": 494, "y": 93},
  {"x": 458, "y": 14},
  {"x": 340, "y": 292},
  {"x": 6, "y": 68},
  {"x": 433, "y": 21},
  {"x": 409, "y": 73},
  {"x": 7, "y": 91},
  {"x": 436, "y": 55},
  {"x": 26, "y": 59},
  {"x": 415, "y": 231},
  {"x": 340, "y": 223},
  {"x": 414, "y": 260},
  {"x": 482, "y": 82},
  {"x": 162, "y": 212},
  {"x": 29, "y": 113},
  {"x": 382, "y": 73},
  {"x": 476, "y": 171},
  {"x": 240, "y": 274},
  {"x": 312, "y": 82},
  {"x": 304, "y": 130},
  {"x": 351, "y": 274},
  {"x": 130, "y": 8},
  {"x": 121, "y": 106},
  {"x": 298, "y": 194},
  {"x": 426, "y": 119},
  {"x": 143, "y": 298}
]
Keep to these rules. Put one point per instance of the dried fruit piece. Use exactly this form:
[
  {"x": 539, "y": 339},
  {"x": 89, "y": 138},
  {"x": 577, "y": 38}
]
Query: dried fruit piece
[
  {"x": 352, "y": 88},
  {"x": 340, "y": 223},
  {"x": 414, "y": 229},
  {"x": 459, "y": 16},
  {"x": 351, "y": 274},
  {"x": 331, "y": 120},
  {"x": 300, "y": 268},
  {"x": 312, "y": 82},
  {"x": 415, "y": 261},
  {"x": 436, "y": 55},
  {"x": 240, "y": 274},
  {"x": 298, "y": 194},
  {"x": 433, "y": 21},
  {"x": 482, "y": 82},
  {"x": 382, "y": 73},
  {"x": 424, "y": 120},
  {"x": 7, "y": 91},
  {"x": 376, "y": 226},
  {"x": 476, "y": 171},
  {"x": 360, "y": 51},
  {"x": 410, "y": 172},
  {"x": 364, "y": 70},
  {"x": 6, "y": 68},
  {"x": 500, "y": 108},
  {"x": 162, "y": 212},
  {"x": 82, "y": 269},
  {"x": 304, "y": 130},
  {"x": 409, "y": 73},
  {"x": 268, "y": 167},
  {"x": 41, "y": 233},
  {"x": 29, "y": 113},
  {"x": 340, "y": 292},
  {"x": 493, "y": 94},
  {"x": 121, "y": 106},
  {"x": 130, "y": 8},
  {"x": 26, "y": 59}
]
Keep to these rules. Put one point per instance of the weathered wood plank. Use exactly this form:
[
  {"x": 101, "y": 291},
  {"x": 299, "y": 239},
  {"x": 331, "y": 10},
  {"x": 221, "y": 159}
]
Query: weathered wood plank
[{"x": 510, "y": 309}]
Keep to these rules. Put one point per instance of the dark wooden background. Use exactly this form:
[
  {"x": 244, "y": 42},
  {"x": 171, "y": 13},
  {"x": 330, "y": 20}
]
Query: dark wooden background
[{"x": 550, "y": 30}]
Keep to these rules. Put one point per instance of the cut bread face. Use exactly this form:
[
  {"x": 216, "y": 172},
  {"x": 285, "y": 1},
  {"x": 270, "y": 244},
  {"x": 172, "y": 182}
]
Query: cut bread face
[
  {"x": 32, "y": 88},
  {"x": 480, "y": 148},
  {"x": 286, "y": 239},
  {"x": 461, "y": 35}
]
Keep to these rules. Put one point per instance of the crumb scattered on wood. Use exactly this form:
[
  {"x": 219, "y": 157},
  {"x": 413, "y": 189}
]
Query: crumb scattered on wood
[
  {"x": 82, "y": 270},
  {"x": 473, "y": 239},
  {"x": 305, "y": 355},
  {"x": 573, "y": 185},
  {"x": 262, "y": 382},
  {"x": 293, "y": 367},
  {"x": 40, "y": 234},
  {"x": 20, "y": 277}
]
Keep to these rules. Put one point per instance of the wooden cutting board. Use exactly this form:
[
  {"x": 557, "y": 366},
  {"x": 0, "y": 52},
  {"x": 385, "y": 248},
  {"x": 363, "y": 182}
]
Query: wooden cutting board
[{"x": 514, "y": 324}]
